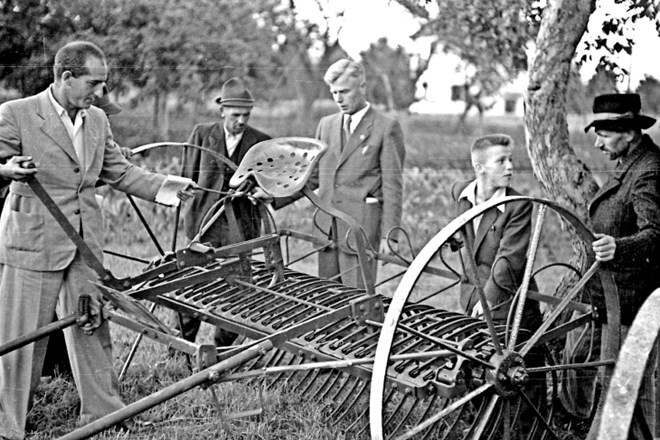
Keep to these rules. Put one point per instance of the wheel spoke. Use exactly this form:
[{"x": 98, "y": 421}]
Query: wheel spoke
[
  {"x": 472, "y": 274},
  {"x": 527, "y": 276},
  {"x": 538, "y": 414},
  {"x": 531, "y": 342},
  {"x": 458, "y": 404}
]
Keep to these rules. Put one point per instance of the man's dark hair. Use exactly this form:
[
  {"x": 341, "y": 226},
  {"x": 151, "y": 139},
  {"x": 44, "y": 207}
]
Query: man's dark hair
[
  {"x": 73, "y": 56},
  {"x": 491, "y": 140}
]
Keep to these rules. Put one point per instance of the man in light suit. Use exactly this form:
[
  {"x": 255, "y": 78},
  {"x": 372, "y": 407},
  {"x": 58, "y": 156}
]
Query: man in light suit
[
  {"x": 232, "y": 138},
  {"x": 66, "y": 143},
  {"x": 361, "y": 172}
]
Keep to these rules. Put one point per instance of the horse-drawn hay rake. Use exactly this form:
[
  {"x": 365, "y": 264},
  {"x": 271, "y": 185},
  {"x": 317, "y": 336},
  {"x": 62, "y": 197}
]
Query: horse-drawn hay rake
[{"x": 398, "y": 367}]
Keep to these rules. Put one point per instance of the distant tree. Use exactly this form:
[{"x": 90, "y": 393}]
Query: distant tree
[
  {"x": 490, "y": 37},
  {"x": 577, "y": 101},
  {"x": 604, "y": 81},
  {"x": 29, "y": 35},
  {"x": 389, "y": 77},
  {"x": 649, "y": 89},
  {"x": 303, "y": 50},
  {"x": 164, "y": 48},
  {"x": 497, "y": 33}
]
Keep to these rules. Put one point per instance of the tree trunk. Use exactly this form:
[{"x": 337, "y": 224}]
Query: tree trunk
[
  {"x": 156, "y": 112},
  {"x": 563, "y": 176}
]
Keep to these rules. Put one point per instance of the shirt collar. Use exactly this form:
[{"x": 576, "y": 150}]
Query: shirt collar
[
  {"x": 356, "y": 117},
  {"x": 236, "y": 137},
  {"x": 61, "y": 111},
  {"x": 470, "y": 193}
]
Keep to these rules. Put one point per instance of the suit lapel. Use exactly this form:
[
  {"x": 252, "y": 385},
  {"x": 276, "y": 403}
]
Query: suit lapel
[
  {"x": 52, "y": 125},
  {"x": 247, "y": 141},
  {"x": 357, "y": 137},
  {"x": 619, "y": 173},
  {"x": 334, "y": 141},
  {"x": 465, "y": 205},
  {"x": 487, "y": 220}
]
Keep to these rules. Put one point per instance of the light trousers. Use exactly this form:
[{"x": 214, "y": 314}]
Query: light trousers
[{"x": 28, "y": 300}]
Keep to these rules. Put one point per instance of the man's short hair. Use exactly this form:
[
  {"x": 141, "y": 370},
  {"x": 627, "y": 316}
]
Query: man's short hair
[
  {"x": 491, "y": 140},
  {"x": 344, "y": 67},
  {"x": 73, "y": 56}
]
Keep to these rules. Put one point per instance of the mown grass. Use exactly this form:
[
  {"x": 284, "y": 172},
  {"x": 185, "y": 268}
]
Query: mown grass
[{"x": 437, "y": 156}]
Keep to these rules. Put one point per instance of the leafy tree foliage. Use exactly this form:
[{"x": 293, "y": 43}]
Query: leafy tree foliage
[
  {"x": 649, "y": 89},
  {"x": 156, "y": 45},
  {"x": 389, "y": 79}
]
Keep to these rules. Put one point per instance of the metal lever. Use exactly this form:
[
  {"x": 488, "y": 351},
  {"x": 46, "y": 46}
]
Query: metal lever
[
  {"x": 84, "y": 312},
  {"x": 106, "y": 277}
]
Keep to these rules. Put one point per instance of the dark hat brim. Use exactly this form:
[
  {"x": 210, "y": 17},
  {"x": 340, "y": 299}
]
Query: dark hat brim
[{"x": 622, "y": 124}]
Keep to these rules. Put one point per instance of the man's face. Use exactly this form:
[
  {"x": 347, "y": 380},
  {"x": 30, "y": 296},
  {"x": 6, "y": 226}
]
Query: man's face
[
  {"x": 82, "y": 91},
  {"x": 613, "y": 143},
  {"x": 236, "y": 119},
  {"x": 495, "y": 166},
  {"x": 349, "y": 94}
]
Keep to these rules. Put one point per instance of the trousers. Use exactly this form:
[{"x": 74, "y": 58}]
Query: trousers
[{"x": 28, "y": 300}]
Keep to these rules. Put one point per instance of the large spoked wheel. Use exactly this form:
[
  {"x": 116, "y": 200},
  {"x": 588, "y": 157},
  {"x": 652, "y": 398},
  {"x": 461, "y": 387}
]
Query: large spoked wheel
[
  {"x": 499, "y": 378},
  {"x": 623, "y": 407}
]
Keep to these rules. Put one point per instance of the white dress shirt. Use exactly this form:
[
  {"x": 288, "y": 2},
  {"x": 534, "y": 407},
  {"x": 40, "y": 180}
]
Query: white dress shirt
[
  {"x": 73, "y": 128},
  {"x": 470, "y": 194}
]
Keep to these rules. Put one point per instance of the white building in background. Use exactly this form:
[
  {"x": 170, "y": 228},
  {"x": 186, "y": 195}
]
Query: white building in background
[{"x": 445, "y": 90}]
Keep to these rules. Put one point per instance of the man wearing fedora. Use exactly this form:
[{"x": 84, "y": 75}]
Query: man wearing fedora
[
  {"x": 231, "y": 137},
  {"x": 625, "y": 218}
]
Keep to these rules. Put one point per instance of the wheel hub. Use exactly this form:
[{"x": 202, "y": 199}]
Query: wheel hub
[{"x": 509, "y": 374}]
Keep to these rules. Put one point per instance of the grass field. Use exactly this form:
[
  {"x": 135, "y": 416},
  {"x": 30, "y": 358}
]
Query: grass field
[{"x": 437, "y": 156}]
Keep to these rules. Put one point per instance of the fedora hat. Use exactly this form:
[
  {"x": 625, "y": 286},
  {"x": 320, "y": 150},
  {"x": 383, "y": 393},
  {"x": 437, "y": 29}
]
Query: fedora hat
[
  {"x": 235, "y": 94},
  {"x": 104, "y": 103},
  {"x": 619, "y": 112}
]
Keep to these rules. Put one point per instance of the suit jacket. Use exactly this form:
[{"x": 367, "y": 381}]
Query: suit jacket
[
  {"x": 627, "y": 207},
  {"x": 30, "y": 238},
  {"x": 500, "y": 253},
  {"x": 369, "y": 165},
  {"x": 208, "y": 172}
]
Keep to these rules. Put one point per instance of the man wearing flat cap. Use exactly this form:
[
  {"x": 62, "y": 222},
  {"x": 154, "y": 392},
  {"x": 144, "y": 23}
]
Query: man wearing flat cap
[
  {"x": 625, "y": 214},
  {"x": 231, "y": 137}
]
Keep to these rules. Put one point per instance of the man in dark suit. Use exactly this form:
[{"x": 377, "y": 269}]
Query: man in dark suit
[
  {"x": 625, "y": 216},
  {"x": 500, "y": 236},
  {"x": 232, "y": 138},
  {"x": 499, "y": 239},
  {"x": 361, "y": 172},
  {"x": 67, "y": 143}
]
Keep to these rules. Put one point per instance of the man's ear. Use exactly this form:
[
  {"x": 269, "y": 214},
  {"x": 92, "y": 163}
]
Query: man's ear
[{"x": 66, "y": 76}]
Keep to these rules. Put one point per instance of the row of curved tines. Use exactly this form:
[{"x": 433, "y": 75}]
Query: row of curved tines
[{"x": 344, "y": 339}]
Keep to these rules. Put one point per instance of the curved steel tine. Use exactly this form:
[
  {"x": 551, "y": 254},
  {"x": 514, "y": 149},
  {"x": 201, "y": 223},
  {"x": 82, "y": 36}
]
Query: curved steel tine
[
  {"x": 484, "y": 418},
  {"x": 396, "y": 252}
]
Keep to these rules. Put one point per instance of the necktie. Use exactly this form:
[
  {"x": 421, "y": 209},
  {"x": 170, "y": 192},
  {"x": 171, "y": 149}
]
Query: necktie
[{"x": 347, "y": 130}]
